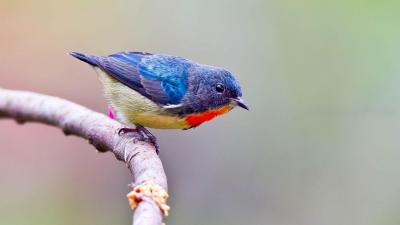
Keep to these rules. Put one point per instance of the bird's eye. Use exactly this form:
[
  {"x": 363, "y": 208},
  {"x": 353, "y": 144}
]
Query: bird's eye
[{"x": 220, "y": 88}]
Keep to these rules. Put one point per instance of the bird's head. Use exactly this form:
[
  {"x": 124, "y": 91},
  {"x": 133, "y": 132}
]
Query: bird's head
[{"x": 215, "y": 88}]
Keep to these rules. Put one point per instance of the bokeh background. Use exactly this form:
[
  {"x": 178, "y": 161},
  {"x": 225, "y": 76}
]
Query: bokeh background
[{"x": 320, "y": 145}]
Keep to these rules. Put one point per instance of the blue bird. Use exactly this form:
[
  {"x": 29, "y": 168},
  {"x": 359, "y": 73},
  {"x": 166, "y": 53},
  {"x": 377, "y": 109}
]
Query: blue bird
[{"x": 163, "y": 91}]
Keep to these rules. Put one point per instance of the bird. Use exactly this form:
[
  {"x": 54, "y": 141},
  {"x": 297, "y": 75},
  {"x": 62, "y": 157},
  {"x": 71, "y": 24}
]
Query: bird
[{"x": 163, "y": 91}]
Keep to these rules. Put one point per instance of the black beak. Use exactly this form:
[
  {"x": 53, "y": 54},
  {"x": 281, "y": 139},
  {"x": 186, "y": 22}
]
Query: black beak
[{"x": 239, "y": 101}]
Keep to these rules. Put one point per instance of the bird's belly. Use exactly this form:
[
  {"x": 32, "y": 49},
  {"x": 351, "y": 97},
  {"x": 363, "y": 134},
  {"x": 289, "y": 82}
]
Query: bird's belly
[
  {"x": 157, "y": 120},
  {"x": 134, "y": 108}
]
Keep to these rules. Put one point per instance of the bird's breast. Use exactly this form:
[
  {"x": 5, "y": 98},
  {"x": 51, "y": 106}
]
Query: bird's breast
[{"x": 194, "y": 120}]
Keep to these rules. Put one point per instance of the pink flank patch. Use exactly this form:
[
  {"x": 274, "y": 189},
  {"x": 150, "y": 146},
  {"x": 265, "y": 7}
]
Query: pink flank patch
[{"x": 110, "y": 112}]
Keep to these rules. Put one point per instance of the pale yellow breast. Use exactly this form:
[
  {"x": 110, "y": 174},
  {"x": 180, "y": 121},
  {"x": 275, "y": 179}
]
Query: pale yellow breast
[{"x": 132, "y": 107}]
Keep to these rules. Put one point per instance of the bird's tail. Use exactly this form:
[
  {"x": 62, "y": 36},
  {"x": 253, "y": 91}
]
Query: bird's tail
[{"x": 90, "y": 59}]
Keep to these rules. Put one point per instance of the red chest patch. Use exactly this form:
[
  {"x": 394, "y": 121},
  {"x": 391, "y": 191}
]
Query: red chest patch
[{"x": 197, "y": 119}]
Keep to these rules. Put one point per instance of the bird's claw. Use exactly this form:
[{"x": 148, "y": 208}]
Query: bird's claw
[
  {"x": 126, "y": 130},
  {"x": 141, "y": 134}
]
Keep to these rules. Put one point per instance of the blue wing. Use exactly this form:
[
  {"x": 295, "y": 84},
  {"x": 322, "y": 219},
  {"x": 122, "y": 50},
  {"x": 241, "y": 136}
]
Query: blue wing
[{"x": 162, "y": 78}]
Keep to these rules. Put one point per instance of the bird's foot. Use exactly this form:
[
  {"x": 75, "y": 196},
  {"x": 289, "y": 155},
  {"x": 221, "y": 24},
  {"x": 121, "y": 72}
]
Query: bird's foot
[
  {"x": 148, "y": 136},
  {"x": 141, "y": 134}
]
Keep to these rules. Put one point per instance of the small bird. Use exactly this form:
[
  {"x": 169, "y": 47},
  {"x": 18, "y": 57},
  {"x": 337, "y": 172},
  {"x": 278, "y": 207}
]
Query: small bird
[{"x": 163, "y": 91}]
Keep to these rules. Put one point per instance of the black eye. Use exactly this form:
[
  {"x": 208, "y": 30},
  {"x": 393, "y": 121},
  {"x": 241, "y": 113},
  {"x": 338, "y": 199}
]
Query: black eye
[{"x": 220, "y": 88}]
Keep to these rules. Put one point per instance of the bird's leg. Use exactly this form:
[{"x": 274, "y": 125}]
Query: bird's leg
[{"x": 142, "y": 135}]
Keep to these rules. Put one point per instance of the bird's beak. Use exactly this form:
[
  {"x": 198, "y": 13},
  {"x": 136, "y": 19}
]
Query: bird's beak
[{"x": 239, "y": 102}]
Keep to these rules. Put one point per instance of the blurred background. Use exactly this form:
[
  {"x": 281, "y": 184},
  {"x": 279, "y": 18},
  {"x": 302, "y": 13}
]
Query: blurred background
[{"x": 320, "y": 145}]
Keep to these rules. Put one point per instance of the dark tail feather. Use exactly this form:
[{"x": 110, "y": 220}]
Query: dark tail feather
[{"x": 92, "y": 60}]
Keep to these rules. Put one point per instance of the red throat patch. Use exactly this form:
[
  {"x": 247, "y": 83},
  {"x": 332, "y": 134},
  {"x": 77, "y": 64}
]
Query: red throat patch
[{"x": 196, "y": 119}]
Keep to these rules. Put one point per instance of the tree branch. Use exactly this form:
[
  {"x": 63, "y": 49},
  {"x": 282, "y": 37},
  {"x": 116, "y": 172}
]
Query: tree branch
[{"x": 102, "y": 132}]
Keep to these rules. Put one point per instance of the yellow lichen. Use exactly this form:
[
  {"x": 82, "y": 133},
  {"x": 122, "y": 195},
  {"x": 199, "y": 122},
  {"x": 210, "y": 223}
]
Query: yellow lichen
[{"x": 151, "y": 190}]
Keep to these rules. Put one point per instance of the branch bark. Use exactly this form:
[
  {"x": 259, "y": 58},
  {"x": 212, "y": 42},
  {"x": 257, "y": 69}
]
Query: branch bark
[{"x": 102, "y": 133}]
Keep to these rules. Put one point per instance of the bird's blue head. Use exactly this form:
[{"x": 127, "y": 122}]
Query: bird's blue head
[{"x": 212, "y": 88}]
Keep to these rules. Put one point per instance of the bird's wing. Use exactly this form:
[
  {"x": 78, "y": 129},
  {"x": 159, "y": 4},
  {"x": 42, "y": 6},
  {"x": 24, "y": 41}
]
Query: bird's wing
[{"x": 162, "y": 78}]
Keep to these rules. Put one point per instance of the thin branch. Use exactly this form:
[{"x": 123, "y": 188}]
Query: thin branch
[{"x": 102, "y": 132}]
